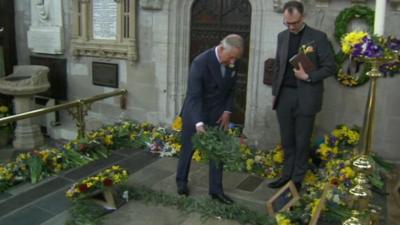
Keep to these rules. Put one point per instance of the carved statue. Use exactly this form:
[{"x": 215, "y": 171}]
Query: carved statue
[{"x": 42, "y": 11}]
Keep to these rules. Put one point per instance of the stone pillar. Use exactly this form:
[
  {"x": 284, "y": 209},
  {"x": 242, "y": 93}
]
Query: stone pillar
[{"x": 27, "y": 133}]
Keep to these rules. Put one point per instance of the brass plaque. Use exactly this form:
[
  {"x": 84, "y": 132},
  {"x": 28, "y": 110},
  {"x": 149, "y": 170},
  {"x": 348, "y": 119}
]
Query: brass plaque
[{"x": 105, "y": 74}]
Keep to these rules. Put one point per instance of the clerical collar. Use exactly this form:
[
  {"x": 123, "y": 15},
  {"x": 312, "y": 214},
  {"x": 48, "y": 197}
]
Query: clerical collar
[
  {"x": 301, "y": 30},
  {"x": 216, "y": 53}
]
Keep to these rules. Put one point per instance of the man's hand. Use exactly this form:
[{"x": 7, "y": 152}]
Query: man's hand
[
  {"x": 223, "y": 120},
  {"x": 200, "y": 129},
  {"x": 300, "y": 73}
]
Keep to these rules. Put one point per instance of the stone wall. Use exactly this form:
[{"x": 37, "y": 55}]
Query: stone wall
[{"x": 157, "y": 81}]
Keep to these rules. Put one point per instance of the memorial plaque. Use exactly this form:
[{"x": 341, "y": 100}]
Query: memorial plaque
[
  {"x": 283, "y": 199},
  {"x": 104, "y": 19},
  {"x": 105, "y": 74}
]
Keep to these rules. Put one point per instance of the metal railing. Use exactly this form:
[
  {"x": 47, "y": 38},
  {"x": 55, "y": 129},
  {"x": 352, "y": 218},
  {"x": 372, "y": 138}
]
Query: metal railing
[{"x": 78, "y": 109}]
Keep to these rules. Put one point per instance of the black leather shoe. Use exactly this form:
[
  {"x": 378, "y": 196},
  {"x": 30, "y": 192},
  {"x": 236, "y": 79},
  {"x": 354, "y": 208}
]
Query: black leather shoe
[
  {"x": 183, "y": 191},
  {"x": 278, "y": 183},
  {"x": 222, "y": 198},
  {"x": 298, "y": 186}
]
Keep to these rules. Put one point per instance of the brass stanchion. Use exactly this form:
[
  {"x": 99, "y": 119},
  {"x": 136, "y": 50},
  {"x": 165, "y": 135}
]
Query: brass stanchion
[
  {"x": 354, "y": 219},
  {"x": 362, "y": 163}
]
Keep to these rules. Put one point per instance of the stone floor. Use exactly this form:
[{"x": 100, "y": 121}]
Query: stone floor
[{"x": 45, "y": 203}]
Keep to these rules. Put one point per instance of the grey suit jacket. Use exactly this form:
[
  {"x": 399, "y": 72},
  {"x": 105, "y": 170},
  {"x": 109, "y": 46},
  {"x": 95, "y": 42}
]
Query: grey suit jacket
[{"x": 309, "y": 93}]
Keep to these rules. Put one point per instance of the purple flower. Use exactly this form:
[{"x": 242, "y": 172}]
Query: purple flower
[
  {"x": 393, "y": 43},
  {"x": 332, "y": 140},
  {"x": 367, "y": 48}
]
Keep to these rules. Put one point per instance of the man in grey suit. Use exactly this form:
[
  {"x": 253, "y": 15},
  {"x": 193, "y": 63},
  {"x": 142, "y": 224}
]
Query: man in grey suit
[
  {"x": 298, "y": 92},
  {"x": 209, "y": 101}
]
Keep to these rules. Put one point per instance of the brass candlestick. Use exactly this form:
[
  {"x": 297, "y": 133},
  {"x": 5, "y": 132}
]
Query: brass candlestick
[
  {"x": 362, "y": 164},
  {"x": 354, "y": 219}
]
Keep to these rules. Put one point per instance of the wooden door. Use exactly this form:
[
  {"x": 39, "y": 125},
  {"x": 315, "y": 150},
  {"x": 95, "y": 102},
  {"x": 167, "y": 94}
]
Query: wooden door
[
  {"x": 7, "y": 37},
  {"x": 212, "y": 20}
]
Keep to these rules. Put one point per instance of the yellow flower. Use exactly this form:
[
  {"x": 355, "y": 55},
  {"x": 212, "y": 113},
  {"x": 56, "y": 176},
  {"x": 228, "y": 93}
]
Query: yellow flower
[
  {"x": 108, "y": 139},
  {"x": 89, "y": 184},
  {"x": 196, "y": 156},
  {"x": 245, "y": 150},
  {"x": 351, "y": 39},
  {"x": 278, "y": 157},
  {"x": 177, "y": 124},
  {"x": 249, "y": 164},
  {"x": 282, "y": 219},
  {"x": 310, "y": 178},
  {"x": 348, "y": 172}
]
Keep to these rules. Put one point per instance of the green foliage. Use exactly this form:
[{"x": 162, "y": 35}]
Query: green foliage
[
  {"x": 347, "y": 15},
  {"x": 205, "y": 206},
  {"x": 215, "y": 144},
  {"x": 88, "y": 213},
  {"x": 35, "y": 167},
  {"x": 85, "y": 212}
]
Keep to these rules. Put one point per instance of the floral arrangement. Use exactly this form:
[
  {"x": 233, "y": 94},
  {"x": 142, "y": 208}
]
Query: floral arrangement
[
  {"x": 360, "y": 45},
  {"x": 331, "y": 163},
  {"x": 215, "y": 144},
  {"x": 115, "y": 175},
  {"x": 262, "y": 163}
]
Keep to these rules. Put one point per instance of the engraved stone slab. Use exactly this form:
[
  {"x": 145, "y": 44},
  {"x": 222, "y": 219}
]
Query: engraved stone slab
[
  {"x": 104, "y": 20},
  {"x": 46, "y": 35}
]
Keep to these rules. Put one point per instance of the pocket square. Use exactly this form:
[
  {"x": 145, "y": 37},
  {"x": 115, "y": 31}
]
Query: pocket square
[{"x": 233, "y": 73}]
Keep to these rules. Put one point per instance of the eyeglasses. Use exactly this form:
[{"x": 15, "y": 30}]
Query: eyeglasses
[{"x": 293, "y": 24}]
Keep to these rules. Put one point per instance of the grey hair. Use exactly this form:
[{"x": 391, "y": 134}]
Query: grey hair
[{"x": 232, "y": 41}]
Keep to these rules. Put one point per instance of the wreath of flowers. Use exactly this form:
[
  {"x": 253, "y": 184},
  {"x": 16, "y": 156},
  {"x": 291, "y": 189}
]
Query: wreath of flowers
[
  {"x": 115, "y": 175},
  {"x": 341, "y": 22}
]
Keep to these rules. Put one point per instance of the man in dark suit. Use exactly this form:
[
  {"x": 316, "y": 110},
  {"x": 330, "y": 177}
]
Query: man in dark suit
[
  {"x": 297, "y": 92},
  {"x": 209, "y": 101}
]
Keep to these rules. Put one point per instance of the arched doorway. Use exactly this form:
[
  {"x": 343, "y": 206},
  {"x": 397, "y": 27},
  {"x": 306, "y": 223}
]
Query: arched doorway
[{"x": 211, "y": 20}]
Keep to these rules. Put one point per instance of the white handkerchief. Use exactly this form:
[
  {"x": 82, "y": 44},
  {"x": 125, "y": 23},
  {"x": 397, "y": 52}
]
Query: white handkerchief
[{"x": 233, "y": 73}]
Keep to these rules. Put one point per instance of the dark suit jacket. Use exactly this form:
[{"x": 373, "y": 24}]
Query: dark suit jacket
[
  {"x": 309, "y": 93},
  {"x": 208, "y": 93}
]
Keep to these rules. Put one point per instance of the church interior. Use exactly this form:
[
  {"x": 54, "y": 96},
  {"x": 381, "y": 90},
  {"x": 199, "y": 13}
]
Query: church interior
[{"x": 95, "y": 100}]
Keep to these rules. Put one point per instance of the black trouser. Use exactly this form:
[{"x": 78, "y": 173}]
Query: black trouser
[{"x": 295, "y": 130}]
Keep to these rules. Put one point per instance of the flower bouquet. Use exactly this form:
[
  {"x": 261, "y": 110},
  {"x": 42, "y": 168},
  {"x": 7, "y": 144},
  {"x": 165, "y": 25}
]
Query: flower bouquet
[
  {"x": 101, "y": 184},
  {"x": 217, "y": 145},
  {"x": 115, "y": 175}
]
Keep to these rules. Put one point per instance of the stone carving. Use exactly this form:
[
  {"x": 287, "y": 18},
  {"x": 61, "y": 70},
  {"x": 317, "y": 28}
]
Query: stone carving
[
  {"x": 151, "y": 4},
  {"x": 26, "y": 80},
  {"x": 42, "y": 10},
  {"x": 46, "y": 35}
]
